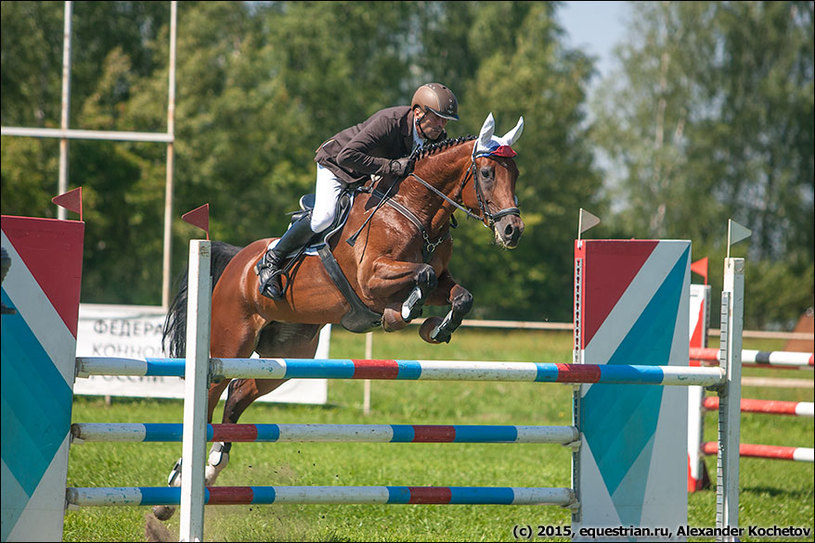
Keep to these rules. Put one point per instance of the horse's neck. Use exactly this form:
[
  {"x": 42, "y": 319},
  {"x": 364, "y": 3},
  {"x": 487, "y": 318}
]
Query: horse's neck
[{"x": 444, "y": 171}]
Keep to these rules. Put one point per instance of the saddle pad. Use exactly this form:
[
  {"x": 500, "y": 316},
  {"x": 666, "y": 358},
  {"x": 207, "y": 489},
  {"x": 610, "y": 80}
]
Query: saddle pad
[
  {"x": 311, "y": 250},
  {"x": 306, "y": 205}
]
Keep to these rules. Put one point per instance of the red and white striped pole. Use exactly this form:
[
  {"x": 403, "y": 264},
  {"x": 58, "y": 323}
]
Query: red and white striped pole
[
  {"x": 777, "y": 452},
  {"x": 773, "y": 407}
]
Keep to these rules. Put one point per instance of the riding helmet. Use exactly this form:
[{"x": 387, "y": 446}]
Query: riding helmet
[{"x": 437, "y": 98}]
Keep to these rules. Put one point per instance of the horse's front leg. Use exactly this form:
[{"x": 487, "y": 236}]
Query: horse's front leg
[
  {"x": 425, "y": 282},
  {"x": 387, "y": 278},
  {"x": 437, "y": 330}
]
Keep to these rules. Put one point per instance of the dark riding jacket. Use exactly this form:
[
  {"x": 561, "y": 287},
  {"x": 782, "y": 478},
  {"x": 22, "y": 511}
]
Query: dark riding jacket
[{"x": 366, "y": 149}]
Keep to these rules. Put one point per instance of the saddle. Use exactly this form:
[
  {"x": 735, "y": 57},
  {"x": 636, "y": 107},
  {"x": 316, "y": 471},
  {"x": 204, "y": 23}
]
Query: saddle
[{"x": 359, "y": 318}]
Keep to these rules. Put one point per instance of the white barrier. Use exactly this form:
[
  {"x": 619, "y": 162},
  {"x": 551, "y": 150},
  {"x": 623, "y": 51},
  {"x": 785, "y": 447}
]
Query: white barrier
[
  {"x": 590, "y": 472},
  {"x": 630, "y": 328},
  {"x": 698, "y": 404}
]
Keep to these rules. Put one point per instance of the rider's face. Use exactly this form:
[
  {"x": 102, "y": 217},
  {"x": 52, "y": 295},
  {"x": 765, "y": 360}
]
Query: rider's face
[{"x": 431, "y": 124}]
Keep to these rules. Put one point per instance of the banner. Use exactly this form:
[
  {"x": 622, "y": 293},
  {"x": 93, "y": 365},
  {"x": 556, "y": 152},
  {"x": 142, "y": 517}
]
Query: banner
[{"x": 132, "y": 331}]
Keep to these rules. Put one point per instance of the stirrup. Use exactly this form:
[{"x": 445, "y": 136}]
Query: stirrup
[
  {"x": 265, "y": 289},
  {"x": 270, "y": 260}
]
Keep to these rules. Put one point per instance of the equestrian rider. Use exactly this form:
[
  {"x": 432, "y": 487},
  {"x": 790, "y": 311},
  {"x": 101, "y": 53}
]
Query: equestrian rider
[{"x": 382, "y": 146}]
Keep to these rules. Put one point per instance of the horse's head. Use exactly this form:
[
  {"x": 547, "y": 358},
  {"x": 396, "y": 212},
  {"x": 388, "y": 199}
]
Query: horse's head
[{"x": 494, "y": 175}]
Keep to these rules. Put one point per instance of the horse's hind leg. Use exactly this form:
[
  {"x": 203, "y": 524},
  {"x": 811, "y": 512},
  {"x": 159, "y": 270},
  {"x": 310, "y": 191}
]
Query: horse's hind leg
[
  {"x": 240, "y": 395},
  {"x": 276, "y": 340},
  {"x": 164, "y": 512}
]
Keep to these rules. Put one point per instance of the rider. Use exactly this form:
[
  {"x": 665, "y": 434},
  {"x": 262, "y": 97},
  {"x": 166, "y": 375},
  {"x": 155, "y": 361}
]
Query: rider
[{"x": 381, "y": 145}]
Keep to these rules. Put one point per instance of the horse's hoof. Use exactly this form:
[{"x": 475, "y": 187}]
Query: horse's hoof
[
  {"x": 163, "y": 512},
  {"x": 154, "y": 530},
  {"x": 427, "y": 328},
  {"x": 392, "y": 320}
]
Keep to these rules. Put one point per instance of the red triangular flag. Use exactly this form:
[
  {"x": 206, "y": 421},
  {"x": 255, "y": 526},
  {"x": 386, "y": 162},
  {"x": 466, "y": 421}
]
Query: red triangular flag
[
  {"x": 71, "y": 200},
  {"x": 700, "y": 267},
  {"x": 198, "y": 217}
]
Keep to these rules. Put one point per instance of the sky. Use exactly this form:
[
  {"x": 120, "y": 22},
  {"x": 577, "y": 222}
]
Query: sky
[{"x": 594, "y": 27}]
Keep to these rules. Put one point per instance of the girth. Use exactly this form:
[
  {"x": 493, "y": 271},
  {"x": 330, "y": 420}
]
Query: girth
[{"x": 359, "y": 318}]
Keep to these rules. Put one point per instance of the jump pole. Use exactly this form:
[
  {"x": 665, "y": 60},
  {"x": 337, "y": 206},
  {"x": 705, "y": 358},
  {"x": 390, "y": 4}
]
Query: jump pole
[
  {"x": 754, "y": 358},
  {"x": 195, "y": 392},
  {"x": 729, "y": 425},
  {"x": 345, "y": 433},
  {"x": 769, "y": 407},
  {"x": 410, "y": 370}
]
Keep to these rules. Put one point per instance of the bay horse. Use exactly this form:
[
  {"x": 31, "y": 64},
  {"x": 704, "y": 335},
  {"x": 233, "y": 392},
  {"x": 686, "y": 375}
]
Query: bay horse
[{"x": 398, "y": 264}]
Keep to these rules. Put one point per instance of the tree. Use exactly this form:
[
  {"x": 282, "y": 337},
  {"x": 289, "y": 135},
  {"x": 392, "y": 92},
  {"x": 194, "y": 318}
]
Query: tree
[
  {"x": 123, "y": 189},
  {"x": 260, "y": 85},
  {"x": 710, "y": 118},
  {"x": 525, "y": 71}
]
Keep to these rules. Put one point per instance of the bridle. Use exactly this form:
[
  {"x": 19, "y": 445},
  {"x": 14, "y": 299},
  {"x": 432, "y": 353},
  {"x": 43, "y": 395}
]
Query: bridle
[{"x": 489, "y": 219}]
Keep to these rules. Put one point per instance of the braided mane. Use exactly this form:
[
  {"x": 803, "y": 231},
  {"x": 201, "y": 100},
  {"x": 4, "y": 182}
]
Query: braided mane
[{"x": 433, "y": 148}]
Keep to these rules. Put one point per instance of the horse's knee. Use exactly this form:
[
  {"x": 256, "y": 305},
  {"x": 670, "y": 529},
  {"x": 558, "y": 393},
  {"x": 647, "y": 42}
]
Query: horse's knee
[
  {"x": 426, "y": 278},
  {"x": 239, "y": 397},
  {"x": 426, "y": 282},
  {"x": 461, "y": 301}
]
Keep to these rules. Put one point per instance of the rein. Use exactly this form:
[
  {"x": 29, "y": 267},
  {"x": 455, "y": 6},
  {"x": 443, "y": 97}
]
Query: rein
[{"x": 447, "y": 198}]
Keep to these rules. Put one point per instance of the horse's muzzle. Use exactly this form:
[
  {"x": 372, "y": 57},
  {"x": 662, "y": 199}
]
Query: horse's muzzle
[{"x": 508, "y": 230}]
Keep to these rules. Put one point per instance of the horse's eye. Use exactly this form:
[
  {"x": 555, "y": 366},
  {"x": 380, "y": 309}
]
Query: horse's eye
[{"x": 486, "y": 173}]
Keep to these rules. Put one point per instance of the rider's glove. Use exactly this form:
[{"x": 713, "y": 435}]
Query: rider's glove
[{"x": 401, "y": 167}]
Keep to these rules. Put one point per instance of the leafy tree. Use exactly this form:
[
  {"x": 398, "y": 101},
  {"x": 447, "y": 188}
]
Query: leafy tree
[
  {"x": 710, "y": 118},
  {"x": 30, "y": 78},
  {"x": 525, "y": 71},
  {"x": 122, "y": 189}
]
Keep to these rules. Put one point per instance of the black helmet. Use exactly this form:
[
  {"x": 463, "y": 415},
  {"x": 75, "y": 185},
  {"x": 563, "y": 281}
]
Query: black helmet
[{"x": 437, "y": 98}]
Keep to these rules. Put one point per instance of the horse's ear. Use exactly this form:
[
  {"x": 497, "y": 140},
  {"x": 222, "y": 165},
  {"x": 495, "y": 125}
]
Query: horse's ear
[
  {"x": 487, "y": 129},
  {"x": 513, "y": 135}
]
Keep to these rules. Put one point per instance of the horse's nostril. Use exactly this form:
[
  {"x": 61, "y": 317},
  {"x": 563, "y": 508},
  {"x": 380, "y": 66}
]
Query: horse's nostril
[{"x": 508, "y": 230}]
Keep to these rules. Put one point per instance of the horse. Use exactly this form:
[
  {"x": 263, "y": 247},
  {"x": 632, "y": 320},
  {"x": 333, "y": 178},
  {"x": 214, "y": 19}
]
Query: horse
[{"x": 398, "y": 264}]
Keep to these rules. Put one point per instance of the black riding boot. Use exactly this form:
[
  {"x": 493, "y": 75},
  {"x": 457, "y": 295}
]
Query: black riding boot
[{"x": 269, "y": 267}]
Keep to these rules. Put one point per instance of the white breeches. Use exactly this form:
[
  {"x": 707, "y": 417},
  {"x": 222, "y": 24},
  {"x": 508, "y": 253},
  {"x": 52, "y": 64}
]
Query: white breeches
[{"x": 326, "y": 195}]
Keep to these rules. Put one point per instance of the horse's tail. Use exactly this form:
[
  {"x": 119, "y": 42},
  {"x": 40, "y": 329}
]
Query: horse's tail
[{"x": 174, "y": 337}]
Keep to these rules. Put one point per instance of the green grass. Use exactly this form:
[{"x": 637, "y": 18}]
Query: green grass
[{"x": 772, "y": 492}]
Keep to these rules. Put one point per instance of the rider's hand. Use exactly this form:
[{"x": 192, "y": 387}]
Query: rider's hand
[{"x": 401, "y": 167}]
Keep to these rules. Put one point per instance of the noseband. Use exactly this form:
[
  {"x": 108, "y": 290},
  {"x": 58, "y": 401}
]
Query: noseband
[{"x": 489, "y": 219}]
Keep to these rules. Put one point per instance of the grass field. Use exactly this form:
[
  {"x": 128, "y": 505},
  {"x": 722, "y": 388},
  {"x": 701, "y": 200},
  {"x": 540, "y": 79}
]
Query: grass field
[{"x": 773, "y": 493}]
